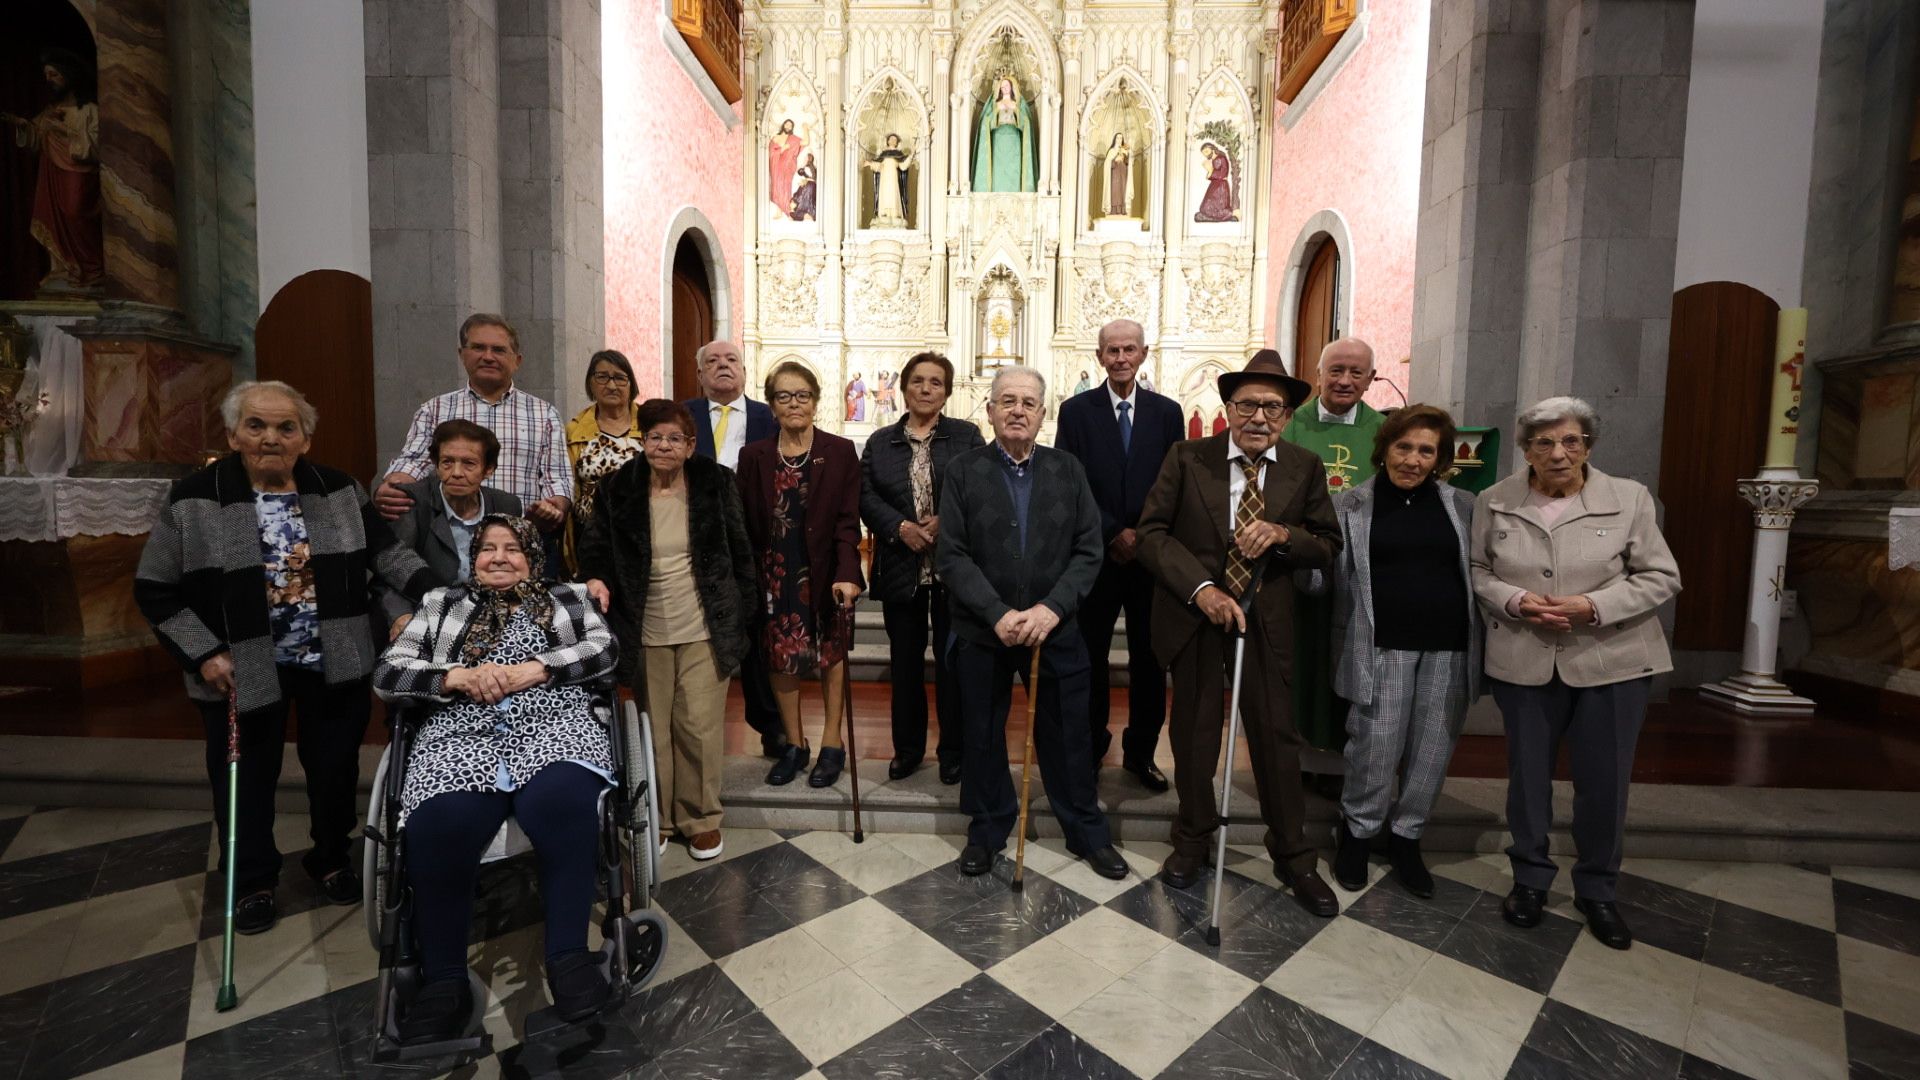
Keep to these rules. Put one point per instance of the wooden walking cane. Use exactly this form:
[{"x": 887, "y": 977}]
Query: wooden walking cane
[
  {"x": 227, "y": 998},
  {"x": 853, "y": 758},
  {"x": 1026, "y": 775}
]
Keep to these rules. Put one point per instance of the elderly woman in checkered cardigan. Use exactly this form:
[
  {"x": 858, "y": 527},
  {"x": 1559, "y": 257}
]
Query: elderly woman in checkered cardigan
[
  {"x": 255, "y": 579},
  {"x": 506, "y": 666}
]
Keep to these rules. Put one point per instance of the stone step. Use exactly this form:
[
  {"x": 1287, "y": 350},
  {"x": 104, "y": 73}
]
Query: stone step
[{"x": 1859, "y": 828}]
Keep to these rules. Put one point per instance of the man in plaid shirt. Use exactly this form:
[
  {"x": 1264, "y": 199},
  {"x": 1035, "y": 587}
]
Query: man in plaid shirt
[{"x": 533, "y": 448}]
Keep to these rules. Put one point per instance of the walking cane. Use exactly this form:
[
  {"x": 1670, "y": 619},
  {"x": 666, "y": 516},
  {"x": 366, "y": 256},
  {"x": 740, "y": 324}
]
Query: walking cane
[
  {"x": 853, "y": 758},
  {"x": 1026, "y": 775},
  {"x": 1233, "y": 736},
  {"x": 226, "y": 999}
]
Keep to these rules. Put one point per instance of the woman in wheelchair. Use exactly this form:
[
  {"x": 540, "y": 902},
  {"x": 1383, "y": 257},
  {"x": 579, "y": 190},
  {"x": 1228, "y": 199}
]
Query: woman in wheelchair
[{"x": 504, "y": 666}]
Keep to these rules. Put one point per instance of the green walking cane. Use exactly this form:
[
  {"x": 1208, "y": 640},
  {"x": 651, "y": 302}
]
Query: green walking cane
[{"x": 227, "y": 998}]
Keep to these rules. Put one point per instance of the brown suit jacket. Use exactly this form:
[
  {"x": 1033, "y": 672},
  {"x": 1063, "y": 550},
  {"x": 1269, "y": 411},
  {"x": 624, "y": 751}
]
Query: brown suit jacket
[
  {"x": 1184, "y": 537},
  {"x": 833, "y": 511}
]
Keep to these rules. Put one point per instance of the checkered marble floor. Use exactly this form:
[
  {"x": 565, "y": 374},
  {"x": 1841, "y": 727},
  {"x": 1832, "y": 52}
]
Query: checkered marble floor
[{"x": 805, "y": 955}]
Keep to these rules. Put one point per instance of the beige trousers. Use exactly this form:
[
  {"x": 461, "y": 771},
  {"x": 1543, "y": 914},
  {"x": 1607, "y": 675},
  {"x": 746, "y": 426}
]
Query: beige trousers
[{"x": 687, "y": 701}]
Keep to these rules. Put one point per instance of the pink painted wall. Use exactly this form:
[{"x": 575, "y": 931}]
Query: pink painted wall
[
  {"x": 666, "y": 149},
  {"x": 1356, "y": 150}
]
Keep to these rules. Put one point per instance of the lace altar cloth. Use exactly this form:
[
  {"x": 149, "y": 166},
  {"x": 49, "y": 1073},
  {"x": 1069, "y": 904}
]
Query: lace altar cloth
[
  {"x": 47, "y": 508},
  {"x": 1903, "y": 537}
]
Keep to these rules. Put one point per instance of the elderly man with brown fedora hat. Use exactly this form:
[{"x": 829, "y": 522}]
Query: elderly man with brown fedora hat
[{"x": 1225, "y": 511}]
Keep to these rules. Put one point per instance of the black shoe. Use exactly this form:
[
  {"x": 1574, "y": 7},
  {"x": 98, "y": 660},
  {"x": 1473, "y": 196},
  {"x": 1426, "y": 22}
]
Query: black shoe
[
  {"x": 826, "y": 769},
  {"x": 438, "y": 1012},
  {"x": 578, "y": 985},
  {"x": 1606, "y": 923},
  {"x": 1350, "y": 859},
  {"x": 900, "y": 768},
  {"x": 792, "y": 760},
  {"x": 255, "y": 913},
  {"x": 1408, "y": 866},
  {"x": 1522, "y": 906},
  {"x": 1311, "y": 893},
  {"x": 1148, "y": 774},
  {"x": 950, "y": 772},
  {"x": 1182, "y": 871},
  {"x": 772, "y": 746},
  {"x": 975, "y": 860},
  {"x": 1106, "y": 862},
  {"x": 341, "y": 887}
]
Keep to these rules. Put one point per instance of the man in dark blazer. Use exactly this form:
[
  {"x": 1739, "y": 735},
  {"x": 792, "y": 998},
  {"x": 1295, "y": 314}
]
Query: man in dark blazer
[
  {"x": 464, "y": 455},
  {"x": 1222, "y": 505},
  {"x": 1121, "y": 431},
  {"x": 1019, "y": 548},
  {"x": 725, "y": 409}
]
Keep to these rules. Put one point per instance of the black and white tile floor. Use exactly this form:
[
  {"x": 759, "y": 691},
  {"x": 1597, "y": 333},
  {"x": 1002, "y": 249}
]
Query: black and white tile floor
[{"x": 806, "y": 956}]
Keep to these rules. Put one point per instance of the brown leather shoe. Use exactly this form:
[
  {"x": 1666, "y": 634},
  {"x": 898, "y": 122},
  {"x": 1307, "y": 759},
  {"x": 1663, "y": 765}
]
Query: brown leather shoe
[
  {"x": 1182, "y": 871},
  {"x": 1311, "y": 892}
]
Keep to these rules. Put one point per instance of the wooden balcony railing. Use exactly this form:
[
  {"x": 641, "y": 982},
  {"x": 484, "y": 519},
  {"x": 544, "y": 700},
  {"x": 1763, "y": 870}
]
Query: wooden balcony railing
[
  {"x": 712, "y": 30},
  {"x": 1308, "y": 31}
]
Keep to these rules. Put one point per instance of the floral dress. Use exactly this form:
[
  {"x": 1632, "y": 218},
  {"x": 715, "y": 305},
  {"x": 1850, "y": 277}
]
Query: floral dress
[
  {"x": 793, "y": 639},
  {"x": 292, "y": 603}
]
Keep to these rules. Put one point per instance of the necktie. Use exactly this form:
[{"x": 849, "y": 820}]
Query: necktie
[
  {"x": 720, "y": 429},
  {"x": 1252, "y": 504},
  {"x": 1126, "y": 428}
]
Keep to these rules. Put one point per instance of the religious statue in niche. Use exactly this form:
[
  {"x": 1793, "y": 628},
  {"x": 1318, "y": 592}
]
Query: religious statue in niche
[
  {"x": 1117, "y": 170},
  {"x": 890, "y": 186},
  {"x": 1217, "y": 203},
  {"x": 783, "y": 159},
  {"x": 66, "y": 190},
  {"x": 1084, "y": 384},
  {"x": 856, "y": 398},
  {"x": 804, "y": 205},
  {"x": 1119, "y": 134},
  {"x": 1004, "y": 143},
  {"x": 886, "y": 404}
]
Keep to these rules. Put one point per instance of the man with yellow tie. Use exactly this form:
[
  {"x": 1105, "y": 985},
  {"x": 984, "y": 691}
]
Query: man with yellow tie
[{"x": 724, "y": 420}]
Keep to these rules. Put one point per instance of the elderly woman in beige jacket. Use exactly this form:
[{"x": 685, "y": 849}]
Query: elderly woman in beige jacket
[{"x": 1571, "y": 567}]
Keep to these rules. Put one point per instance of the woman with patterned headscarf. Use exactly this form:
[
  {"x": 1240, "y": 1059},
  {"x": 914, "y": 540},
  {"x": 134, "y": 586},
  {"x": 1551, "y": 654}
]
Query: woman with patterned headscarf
[{"x": 506, "y": 665}]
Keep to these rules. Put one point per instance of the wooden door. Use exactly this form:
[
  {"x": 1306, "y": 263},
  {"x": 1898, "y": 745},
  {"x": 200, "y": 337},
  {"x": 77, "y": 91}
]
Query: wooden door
[
  {"x": 317, "y": 336},
  {"x": 1719, "y": 377},
  {"x": 1317, "y": 322},
  {"x": 692, "y": 318}
]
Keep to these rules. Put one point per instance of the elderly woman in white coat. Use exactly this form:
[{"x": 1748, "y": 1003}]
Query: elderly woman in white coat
[
  {"x": 1572, "y": 568},
  {"x": 1409, "y": 660}
]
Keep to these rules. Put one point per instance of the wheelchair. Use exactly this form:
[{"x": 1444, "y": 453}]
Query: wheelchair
[{"x": 634, "y": 937}]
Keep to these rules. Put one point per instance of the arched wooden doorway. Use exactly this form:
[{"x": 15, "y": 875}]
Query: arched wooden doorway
[
  {"x": 317, "y": 336},
  {"x": 1719, "y": 376},
  {"x": 1318, "y": 320},
  {"x": 692, "y": 315}
]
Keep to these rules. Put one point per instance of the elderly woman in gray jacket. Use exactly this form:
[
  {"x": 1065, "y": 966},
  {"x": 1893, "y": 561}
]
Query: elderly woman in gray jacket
[
  {"x": 1572, "y": 569},
  {"x": 1410, "y": 659}
]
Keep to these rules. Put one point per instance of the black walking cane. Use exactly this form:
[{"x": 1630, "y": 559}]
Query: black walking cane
[
  {"x": 227, "y": 998},
  {"x": 1233, "y": 736},
  {"x": 846, "y": 698},
  {"x": 1026, "y": 775}
]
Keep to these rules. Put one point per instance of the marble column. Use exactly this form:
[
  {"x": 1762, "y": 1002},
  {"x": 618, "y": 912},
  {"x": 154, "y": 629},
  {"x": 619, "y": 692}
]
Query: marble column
[
  {"x": 833, "y": 338},
  {"x": 1263, "y": 120},
  {"x": 1073, "y": 210},
  {"x": 1180, "y": 37},
  {"x": 748, "y": 326},
  {"x": 136, "y": 153}
]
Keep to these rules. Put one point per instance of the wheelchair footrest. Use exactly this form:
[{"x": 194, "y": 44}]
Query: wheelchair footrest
[
  {"x": 475, "y": 1040},
  {"x": 387, "y": 1050}
]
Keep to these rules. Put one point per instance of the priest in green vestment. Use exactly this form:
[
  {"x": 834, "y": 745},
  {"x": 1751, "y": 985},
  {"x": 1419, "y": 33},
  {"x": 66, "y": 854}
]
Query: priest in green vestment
[{"x": 1339, "y": 427}]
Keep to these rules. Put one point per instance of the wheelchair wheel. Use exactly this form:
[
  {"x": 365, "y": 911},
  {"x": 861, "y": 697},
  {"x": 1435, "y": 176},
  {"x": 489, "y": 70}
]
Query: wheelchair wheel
[
  {"x": 653, "y": 813},
  {"x": 375, "y": 857}
]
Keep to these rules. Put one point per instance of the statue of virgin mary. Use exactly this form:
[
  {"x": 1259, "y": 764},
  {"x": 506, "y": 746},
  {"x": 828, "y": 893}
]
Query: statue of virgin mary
[{"x": 1003, "y": 146}]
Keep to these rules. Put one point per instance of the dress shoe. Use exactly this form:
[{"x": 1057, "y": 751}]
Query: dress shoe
[
  {"x": 342, "y": 887},
  {"x": 1606, "y": 923},
  {"x": 1522, "y": 906},
  {"x": 1106, "y": 862},
  {"x": 772, "y": 746},
  {"x": 827, "y": 768},
  {"x": 438, "y": 1012},
  {"x": 902, "y": 767},
  {"x": 1408, "y": 866},
  {"x": 792, "y": 760},
  {"x": 1312, "y": 893},
  {"x": 578, "y": 985},
  {"x": 1350, "y": 859},
  {"x": 975, "y": 860},
  {"x": 950, "y": 771},
  {"x": 1182, "y": 871},
  {"x": 1148, "y": 774},
  {"x": 255, "y": 913}
]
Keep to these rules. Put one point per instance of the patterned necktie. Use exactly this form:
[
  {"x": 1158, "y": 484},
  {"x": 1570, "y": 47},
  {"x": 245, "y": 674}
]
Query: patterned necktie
[
  {"x": 1252, "y": 504},
  {"x": 720, "y": 429},
  {"x": 1126, "y": 428}
]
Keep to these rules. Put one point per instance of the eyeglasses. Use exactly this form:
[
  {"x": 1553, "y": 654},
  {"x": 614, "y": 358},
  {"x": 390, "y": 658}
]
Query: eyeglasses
[
  {"x": 657, "y": 438},
  {"x": 1572, "y": 444},
  {"x": 793, "y": 397},
  {"x": 610, "y": 378},
  {"x": 1274, "y": 410}
]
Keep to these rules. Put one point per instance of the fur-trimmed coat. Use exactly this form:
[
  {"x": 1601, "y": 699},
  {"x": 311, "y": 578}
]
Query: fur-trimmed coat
[{"x": 617, "y": 548}]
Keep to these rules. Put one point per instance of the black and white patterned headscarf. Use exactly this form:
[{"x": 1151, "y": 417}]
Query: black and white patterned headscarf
[{"x": 495, "y": 607}]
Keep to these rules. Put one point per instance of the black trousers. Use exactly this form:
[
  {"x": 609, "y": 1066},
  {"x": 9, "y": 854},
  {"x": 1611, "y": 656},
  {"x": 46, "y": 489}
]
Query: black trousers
[
  {"x": 1601, "y": 726},
  {"x": 763, "y": 709},
  {"x": 333, "y": 720},
  {"x": 1124, "y": 587},
  {"x": 987, "y": 795},
  {"x": 907, "y": 666}
]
